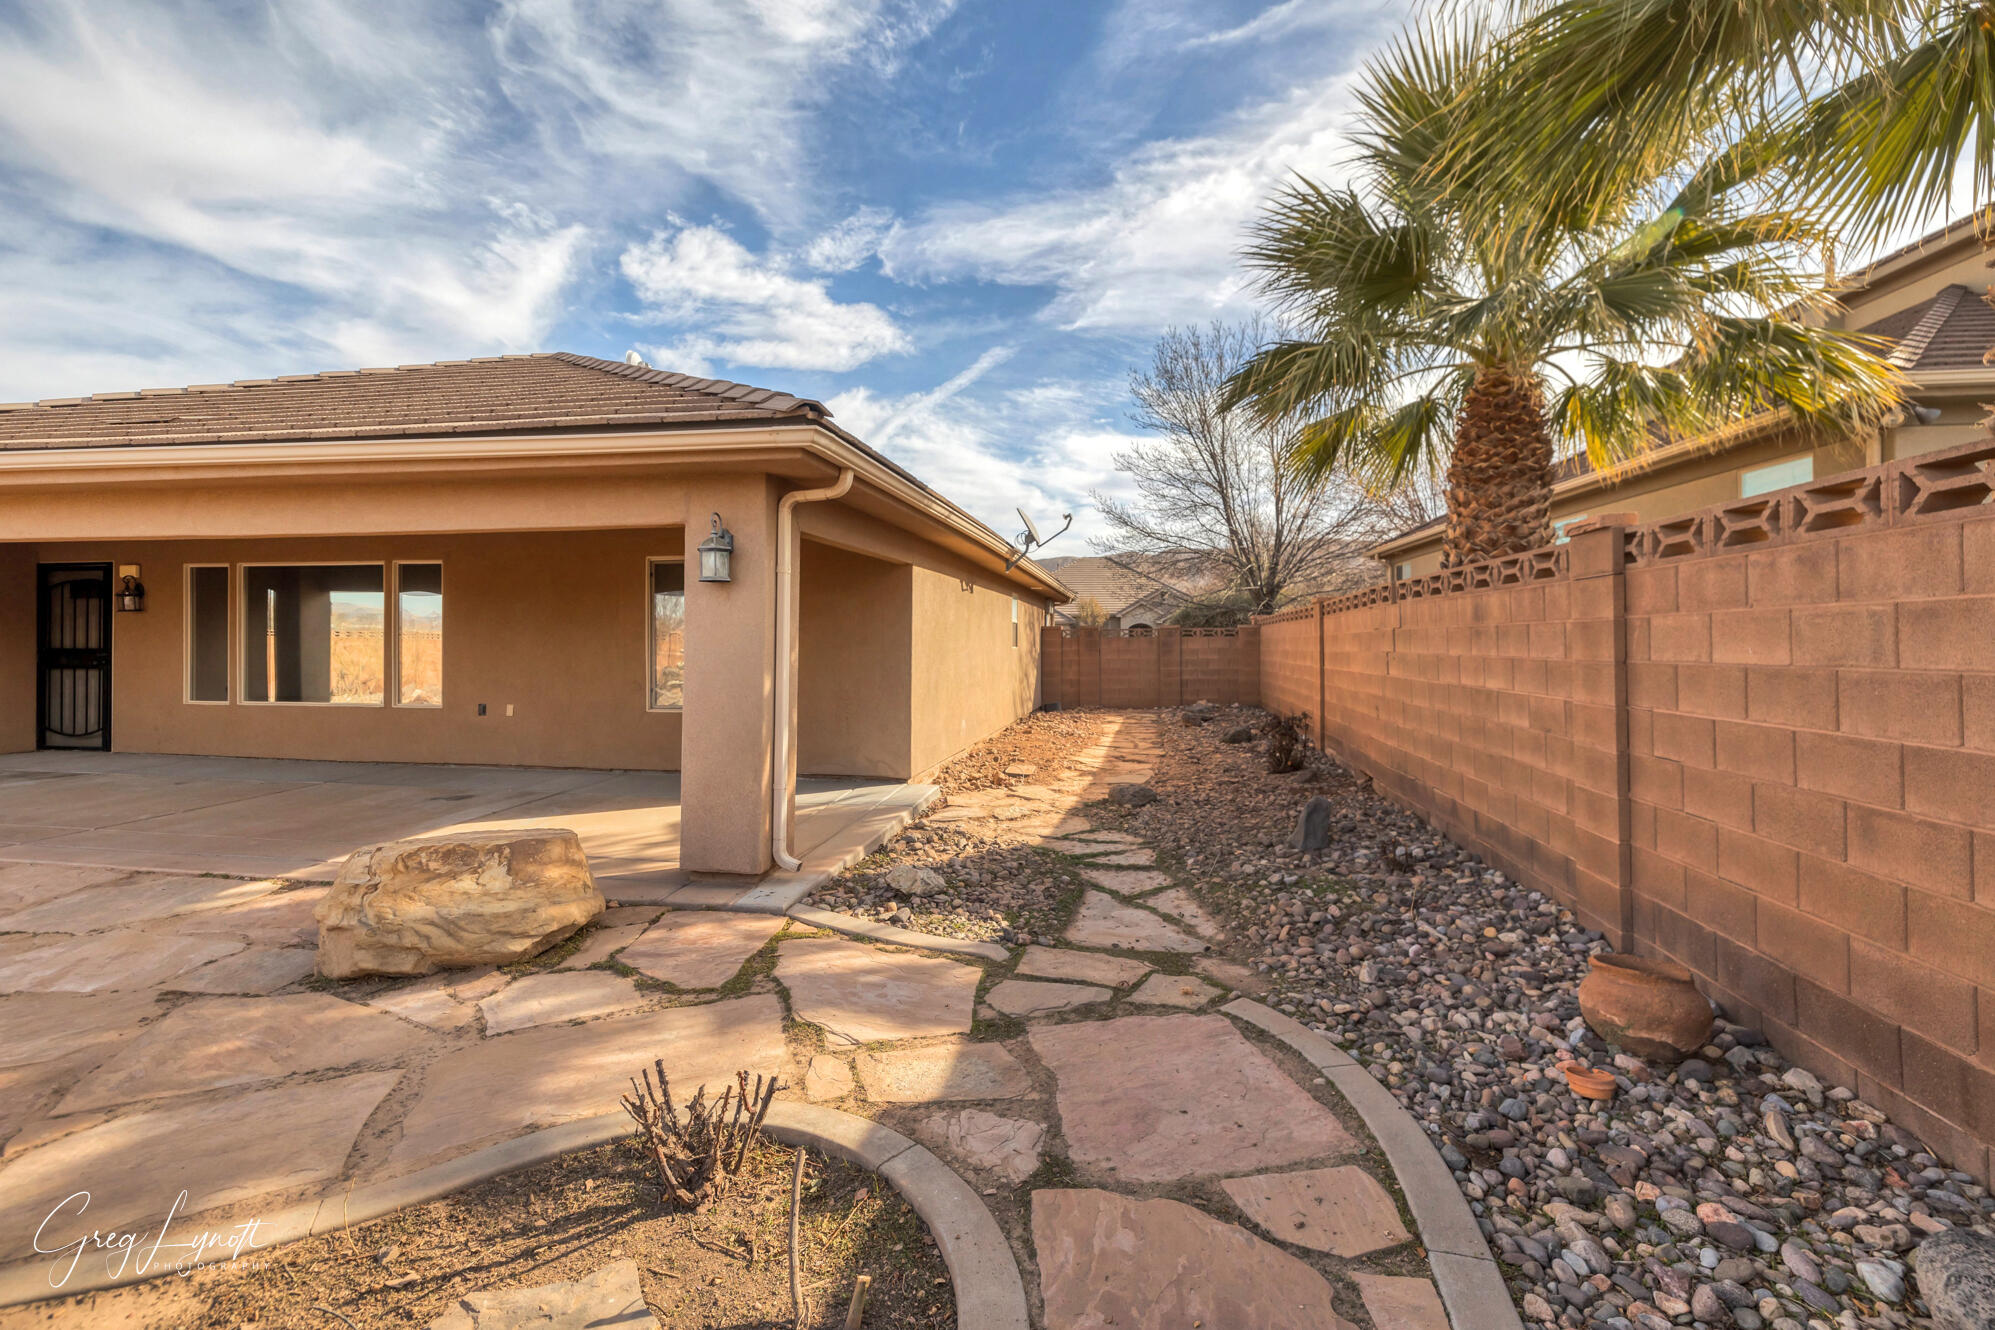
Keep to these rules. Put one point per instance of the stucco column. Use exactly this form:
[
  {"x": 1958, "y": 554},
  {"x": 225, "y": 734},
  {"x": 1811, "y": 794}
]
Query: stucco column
[
  {"x": 730, "y": 656},
  {"x": 18, "y": 634}
]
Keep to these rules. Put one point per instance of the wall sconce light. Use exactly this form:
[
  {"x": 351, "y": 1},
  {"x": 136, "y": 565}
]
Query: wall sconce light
[
  {"x": 131, "y": 591},
  {"x": 717, "y": 554}
]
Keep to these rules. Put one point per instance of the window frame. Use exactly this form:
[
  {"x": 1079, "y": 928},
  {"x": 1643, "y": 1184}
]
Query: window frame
[
  {"x": 650, "y": 634},
  {"x": 387, "y": 644},
  {"x": 394, "y": 646},
  {"x": 187, "y": 697},
  {"x": 1807, "y": 458}
]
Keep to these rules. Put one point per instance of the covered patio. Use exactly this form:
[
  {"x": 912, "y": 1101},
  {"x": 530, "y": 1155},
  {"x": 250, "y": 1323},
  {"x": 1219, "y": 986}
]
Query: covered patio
[{"x": 281, "y": 818}]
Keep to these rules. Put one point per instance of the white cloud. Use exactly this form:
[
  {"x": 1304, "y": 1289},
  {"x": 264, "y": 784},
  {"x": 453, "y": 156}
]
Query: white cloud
[
  {"x": 849, "y": 243},
  {"x": 1039, "y": 447},
  {"x": 750, "y": 310},
  {"x": 379, "y": 181},
  {"x": 1156, "y": 243},
  {"x": 723, "y": 90}
]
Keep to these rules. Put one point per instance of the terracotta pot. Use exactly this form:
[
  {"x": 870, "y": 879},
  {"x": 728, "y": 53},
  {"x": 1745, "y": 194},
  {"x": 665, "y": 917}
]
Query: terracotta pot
[
  {"x": 1650, "y": 1007},
  {"x": 1588, "y": 1083}
]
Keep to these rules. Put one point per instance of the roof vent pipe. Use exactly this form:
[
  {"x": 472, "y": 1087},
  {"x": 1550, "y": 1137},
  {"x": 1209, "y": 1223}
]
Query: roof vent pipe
[{"x": 786, "y": 632}]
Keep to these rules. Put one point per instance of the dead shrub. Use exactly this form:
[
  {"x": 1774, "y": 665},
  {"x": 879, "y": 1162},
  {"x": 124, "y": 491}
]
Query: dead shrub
[
  {"x": 1285, "y": 742},
  {"x": 698, "y": 1153}
]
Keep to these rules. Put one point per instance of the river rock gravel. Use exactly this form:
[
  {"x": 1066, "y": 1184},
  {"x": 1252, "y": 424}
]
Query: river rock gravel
[{"x": 1731, "y": 1190}]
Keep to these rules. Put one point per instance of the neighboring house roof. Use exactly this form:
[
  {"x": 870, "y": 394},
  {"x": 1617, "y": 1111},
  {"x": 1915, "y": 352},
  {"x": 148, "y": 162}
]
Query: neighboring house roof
[
  {"x": 1954, "y": 329},
  {"x": 546, "y": 391},
  {"x": 1111, "y": 582}
]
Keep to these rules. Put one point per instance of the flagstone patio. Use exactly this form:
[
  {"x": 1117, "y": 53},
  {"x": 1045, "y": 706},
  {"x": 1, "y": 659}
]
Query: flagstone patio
[{"x": 1192, "y": 1170}]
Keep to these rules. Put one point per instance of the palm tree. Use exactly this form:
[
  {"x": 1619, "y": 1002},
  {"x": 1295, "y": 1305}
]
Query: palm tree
[
  {"x": 1449, "y": 313},
  {"x": 1872, "y": 107}
]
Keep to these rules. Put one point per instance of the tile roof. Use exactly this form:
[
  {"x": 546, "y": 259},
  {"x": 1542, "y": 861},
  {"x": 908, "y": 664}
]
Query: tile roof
[
  {"x": 1953, "y": 329},
  {"x": 496, "y": 394},
  {"x": 1115, "y": 585}
]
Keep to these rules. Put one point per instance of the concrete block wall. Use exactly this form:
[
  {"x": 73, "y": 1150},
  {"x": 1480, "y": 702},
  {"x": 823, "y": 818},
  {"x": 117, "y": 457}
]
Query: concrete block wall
[
  {"x": 1087, "y": 667},
  {"x": 1812, "y": 760},
  {"x": 1759, "y": 739}
]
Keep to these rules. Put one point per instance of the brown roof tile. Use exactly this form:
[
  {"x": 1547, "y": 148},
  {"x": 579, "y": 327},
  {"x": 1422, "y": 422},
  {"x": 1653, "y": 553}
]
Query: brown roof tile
[
  {"x": 489, "y": 395},
  {"x": 1954, "y": 329}
]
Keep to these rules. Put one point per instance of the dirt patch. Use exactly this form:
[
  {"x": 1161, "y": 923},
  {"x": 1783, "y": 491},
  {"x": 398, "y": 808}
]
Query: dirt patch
[
  {"x": 1046, "y": 741},
  {"x": 561, "y": 1221},
  {"x": 991, "y": 883}
]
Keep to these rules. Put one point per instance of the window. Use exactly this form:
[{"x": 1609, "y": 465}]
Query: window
[
  {"x": 314, "y": 633},
  {"x": 1402, "y": 571},
  {"x": 1014, "y": 620},
  {"x": 1559, "y": 536},
  {"x": 668, "y": 634},
  {"x": 1778, "y": 476},
  {"x": 419, "y": 634},
  {"x": 208, "y": 633}
]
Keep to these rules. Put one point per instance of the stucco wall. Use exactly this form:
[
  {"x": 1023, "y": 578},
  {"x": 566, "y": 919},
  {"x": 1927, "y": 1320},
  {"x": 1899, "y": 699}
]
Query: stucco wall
[
  {"x": 854, "y": 650},
  {"x": 552, "y": 624},
  {"x": 17, "y": 649},
  {"x": 973, "y": 673},
  {"x": 967, "y": 677}
]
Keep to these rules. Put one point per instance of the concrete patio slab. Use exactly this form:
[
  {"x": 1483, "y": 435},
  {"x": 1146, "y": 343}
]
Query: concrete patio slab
[
  {"x": 1181, "y": 904},
  {"x": 123, "y": 960},
  {"x": 1126, "y": 881},
  {"x": 281, "y": 919},
  {"x": 132, "y": 898},
  {"x": 828, "y": 1078},
  {"x": 1024, "y": 997},
  {"x": 697, "y": 949},
  {"x": 134, "y": 1167},
  {"x": 858, "y": 994},
  {"x": 551, "y": 999},
  {"x": 1174, "y": 990},
  {"x": 45, "y": 1027},
  {"x": 265, "y": 817},
  {"x": 25, "y": 884},
  {"x": 601, "y": 944},
  {"x": 936, "y": 1073},
  {"x": 1341, "y": 1210},
  {"x": 1109, "y": 1260},
  {"x": 1399, "y": 1303},
  {"x": 1104, "y": 921},
  {"x": 428, "y": 1004},
  {"x": 509, "y": 1084},
  {"x": 986, "y": 1142},
  {"x": 216, "y": 1042},
  {"x": 1160, "y": 1098},
  {"x": 1082, "y": 966},
  {"x": 257, "y": 971}
]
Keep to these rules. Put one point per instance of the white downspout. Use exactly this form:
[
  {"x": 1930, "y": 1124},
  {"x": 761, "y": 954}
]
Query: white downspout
[{"x": 786, "y": 619}]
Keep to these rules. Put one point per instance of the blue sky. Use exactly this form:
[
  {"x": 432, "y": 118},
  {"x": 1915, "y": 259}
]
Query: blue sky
[{"x": 958, "y": 222}]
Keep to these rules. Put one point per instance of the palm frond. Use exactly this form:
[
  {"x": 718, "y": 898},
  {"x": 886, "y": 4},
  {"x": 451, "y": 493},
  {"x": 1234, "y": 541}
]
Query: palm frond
[
  {"x": 1825, "y": 377},
  {"x": 1888, "y": 145},
  {"x": 1382, "y": 447}
]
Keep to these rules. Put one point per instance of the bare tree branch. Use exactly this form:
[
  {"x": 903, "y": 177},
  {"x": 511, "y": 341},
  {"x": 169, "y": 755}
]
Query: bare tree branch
[{"x": 1217, "y": 510}]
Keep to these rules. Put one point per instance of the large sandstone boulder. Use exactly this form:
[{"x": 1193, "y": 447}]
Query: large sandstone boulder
[{"x": 474, "y": 898}]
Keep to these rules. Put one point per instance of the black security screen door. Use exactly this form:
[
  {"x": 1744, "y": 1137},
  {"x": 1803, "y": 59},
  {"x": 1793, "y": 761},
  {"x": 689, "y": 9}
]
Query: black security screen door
[{"x": 74, "y": 696}]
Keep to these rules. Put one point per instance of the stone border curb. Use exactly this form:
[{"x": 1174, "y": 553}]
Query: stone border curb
[
  {"x": 899, "y": 937},
  {"x": 990, "y": 1293},
  {"x": 1470, "y": 1281}
]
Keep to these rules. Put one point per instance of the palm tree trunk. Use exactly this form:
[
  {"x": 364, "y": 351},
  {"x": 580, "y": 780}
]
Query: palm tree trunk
[{"x": 1500, "y": 476}]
